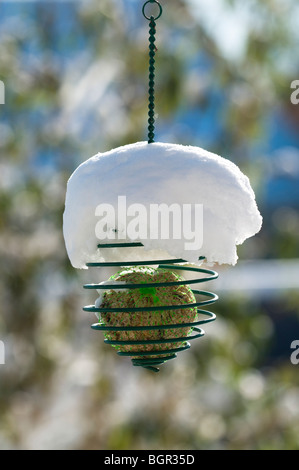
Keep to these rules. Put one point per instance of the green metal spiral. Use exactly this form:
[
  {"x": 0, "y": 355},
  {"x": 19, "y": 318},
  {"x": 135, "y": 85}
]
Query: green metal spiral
[
  {"x": 150, "y": 359},
  {"x": 153, "y": 358}
]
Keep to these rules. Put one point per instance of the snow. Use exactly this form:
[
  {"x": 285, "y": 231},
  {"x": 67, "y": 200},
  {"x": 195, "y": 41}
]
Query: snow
[{"x": 150, "y": 175}]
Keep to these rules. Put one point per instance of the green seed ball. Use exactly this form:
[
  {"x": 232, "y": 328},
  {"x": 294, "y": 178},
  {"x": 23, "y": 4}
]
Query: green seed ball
[{"x": 148, "y": 297}]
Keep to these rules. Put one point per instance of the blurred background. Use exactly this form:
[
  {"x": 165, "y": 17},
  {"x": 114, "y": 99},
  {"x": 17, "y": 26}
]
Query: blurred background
[{"x": 75, "y": 76}]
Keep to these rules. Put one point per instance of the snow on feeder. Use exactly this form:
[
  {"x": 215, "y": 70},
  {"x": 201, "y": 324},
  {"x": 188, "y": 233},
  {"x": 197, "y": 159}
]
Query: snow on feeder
[{"x": 152, "y": 211}]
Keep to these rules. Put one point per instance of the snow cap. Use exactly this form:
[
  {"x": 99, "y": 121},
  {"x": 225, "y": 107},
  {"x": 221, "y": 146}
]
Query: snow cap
[{"x": 203, "y": 187}]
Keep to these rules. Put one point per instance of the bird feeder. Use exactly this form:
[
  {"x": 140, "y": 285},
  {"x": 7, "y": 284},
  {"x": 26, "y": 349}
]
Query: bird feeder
[{"x": 152, "y": 307}]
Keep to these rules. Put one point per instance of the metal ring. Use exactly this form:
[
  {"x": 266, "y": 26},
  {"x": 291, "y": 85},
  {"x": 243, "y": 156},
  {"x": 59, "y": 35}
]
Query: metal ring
[{"x": 151, "y": 17}]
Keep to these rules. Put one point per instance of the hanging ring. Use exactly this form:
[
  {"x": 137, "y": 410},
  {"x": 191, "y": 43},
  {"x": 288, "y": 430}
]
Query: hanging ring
[{"x": 151, "y": 17}]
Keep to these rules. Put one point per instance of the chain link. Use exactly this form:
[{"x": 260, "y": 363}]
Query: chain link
[
  {"x": 152, "y": 2},
  {"x": 152, "y": 53}
]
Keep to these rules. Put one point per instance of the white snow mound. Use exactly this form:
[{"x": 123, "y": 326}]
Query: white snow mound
[{"x": 150, "y": 175}]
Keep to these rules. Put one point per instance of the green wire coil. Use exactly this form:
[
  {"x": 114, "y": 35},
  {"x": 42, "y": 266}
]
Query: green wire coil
[
  {"x": 150, "y": 359},
  {"x": 141, "y": 358}
]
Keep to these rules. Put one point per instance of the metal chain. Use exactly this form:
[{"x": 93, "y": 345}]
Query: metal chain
[{"x": 152, "y": 53}]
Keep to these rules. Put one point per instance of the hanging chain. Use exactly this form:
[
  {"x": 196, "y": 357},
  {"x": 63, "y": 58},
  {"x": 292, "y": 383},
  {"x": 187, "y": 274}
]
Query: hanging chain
[{"x": 152, "y": 53}]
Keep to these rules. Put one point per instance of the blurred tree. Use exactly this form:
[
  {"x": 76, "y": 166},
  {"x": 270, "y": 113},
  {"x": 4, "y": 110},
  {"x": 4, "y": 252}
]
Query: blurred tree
[{"x": 76, "y": 82}]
